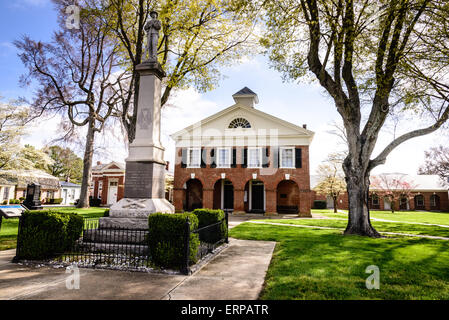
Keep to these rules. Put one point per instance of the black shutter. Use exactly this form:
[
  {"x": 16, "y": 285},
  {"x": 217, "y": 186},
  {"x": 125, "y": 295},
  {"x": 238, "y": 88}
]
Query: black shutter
[
  {"x": 245, "y": 158},
  {"x": 183, "y": 158},
  {"x": 234, "y": 158},
  {"x": 266, "y": 157},
  {"x": 276, "y": 163},
  {"x": 298, "y": 158},
  {"x": 203, "y": 158},
  {"x": 213, "y": 162}
]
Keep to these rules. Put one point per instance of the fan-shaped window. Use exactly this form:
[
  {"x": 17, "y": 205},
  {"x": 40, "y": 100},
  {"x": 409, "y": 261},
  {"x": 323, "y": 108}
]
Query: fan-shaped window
[{"x": 239, "y": 123}]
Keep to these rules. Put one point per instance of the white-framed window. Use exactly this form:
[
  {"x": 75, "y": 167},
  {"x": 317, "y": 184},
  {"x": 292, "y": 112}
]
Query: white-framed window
[
  {"x": 254, "y": 157},
  {"x": 100, "y": 186},
  {"x": 287, "y": 157},
  {"x": 224, "y": 157},
  {"x": 194, "y": 157}
]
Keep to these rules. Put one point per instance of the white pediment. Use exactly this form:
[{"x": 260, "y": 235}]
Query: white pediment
[{"x": 216, "y": 127}]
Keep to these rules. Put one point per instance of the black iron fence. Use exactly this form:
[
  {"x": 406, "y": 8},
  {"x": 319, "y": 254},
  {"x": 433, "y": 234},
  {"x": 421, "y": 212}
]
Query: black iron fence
[
  {"x": 109, "y": 247},
  {"x": 210, "y": 238},
  {"x": 124, "y": 248}
]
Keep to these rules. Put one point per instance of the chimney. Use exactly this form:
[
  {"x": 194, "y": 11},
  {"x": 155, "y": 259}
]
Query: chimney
[
  {"x": 304, "y": 126},
  {"x": 246, "y": 97},
  {"x": 98, "y": 163},
  {"x": 67, "y": 179},
  {"x": 167, "y": 165}
]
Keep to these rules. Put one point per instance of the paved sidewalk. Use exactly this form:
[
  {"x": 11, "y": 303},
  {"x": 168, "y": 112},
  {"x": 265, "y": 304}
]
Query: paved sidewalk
[{"x": 238, "y": 272}]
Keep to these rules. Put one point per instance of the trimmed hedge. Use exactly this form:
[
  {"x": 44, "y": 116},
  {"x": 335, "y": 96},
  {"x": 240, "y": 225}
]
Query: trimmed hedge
[
  {"x": 319, "y": 204},
  {"x": 207, "y": 217},
  {"x": 94, "y": 202},
  {"x": 46, "y": 233},
  {"x": 166, "y": 239},
  {"x": 54, "y": 200}
]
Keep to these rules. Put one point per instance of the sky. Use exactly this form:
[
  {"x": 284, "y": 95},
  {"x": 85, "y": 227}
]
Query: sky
[{"x": 298, "y": 103}]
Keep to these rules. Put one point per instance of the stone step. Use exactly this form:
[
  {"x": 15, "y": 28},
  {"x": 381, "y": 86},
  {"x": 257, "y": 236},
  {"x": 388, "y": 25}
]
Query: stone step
[
  {"x": 112, "y": 248},
  {"x": 123, "y": 222},
  {"x": 114, "y": 236}
]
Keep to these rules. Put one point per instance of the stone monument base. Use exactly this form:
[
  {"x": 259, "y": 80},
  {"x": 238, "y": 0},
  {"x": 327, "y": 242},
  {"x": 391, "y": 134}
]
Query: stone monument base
[{"x": 133, "y": 213}]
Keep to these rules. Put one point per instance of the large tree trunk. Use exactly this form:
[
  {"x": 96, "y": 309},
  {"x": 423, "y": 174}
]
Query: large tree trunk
[
  {"x": 87, "y": 165},
  {"x": 357, "y": 181}
]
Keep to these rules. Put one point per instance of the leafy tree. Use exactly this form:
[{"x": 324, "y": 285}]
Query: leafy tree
[
  {"x": 374, "y": 59},
  {"x": 75, "y": 75},
  {"x": 66, "y": 164},
  {"x": 12, "y": 128},
  {"x": 197, "y": 39},
  {"x": 393, "y": 187},
  {"x": 331, "y": 179},
  {"x": 437, "y": 162}
]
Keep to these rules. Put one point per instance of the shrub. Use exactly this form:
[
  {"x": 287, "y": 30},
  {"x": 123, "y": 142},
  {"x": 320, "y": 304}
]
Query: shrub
[
  {"x": 57, "y": 200},
  {"x": 106, "y": 213},
  {"x": 46, "y": 233},
  {"x": 5, "y": 202},
  {"x": 207, "y": 217},
  {"x": 22, "y": 198},
  {"x": 94, "y": 202},
  {"x": 319, "y": 204},
  {"x": 166, "y": 239}
]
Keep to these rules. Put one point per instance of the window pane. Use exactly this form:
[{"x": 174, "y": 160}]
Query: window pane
[
  {"x": 223, "y": 158},
  {"x": 194, "y": 157},
  {"x": 287, "y": 157},
  {"x": 254, "y": 160}
]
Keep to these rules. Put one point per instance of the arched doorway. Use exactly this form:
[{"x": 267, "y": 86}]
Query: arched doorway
[
  {"x": 419, "y": 202},
  {"x": 434, "y": 202},
  {"x": 287, "y": 197},
  {"x": 223, "y": 194},
  {"x": 255, "y": 196},
  {"x": 194, "y": 195},
  {"x": 403, "y": 203}
]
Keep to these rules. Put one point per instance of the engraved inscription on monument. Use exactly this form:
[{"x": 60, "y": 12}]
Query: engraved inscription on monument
[{"x": 138, "y": 180}]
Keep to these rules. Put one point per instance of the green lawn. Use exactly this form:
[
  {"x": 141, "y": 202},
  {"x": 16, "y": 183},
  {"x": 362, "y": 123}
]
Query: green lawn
[
  {"x": 324, "y": 264},
  {"x": 8, "y": 232},
  {"x": 409, "y": 216},
  {"x": 378, "y": 225}
]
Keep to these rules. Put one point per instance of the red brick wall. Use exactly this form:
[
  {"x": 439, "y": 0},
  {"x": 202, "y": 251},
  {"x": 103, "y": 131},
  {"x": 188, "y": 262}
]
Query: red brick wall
[
  {"x": 444, "y": 201},
  {"x": 104, "y": 192},
  {"x": 240, "y": 176}
]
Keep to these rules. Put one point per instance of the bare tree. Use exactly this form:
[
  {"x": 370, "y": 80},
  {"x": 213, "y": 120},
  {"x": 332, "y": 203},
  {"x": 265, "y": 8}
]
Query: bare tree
[
  {"x": 437, "y": 162},
  {"x": 75, "y": 74}
]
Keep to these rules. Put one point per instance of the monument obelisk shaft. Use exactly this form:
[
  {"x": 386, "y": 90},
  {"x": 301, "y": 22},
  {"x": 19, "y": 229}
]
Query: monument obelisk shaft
[{"x": 145, "y": 165}]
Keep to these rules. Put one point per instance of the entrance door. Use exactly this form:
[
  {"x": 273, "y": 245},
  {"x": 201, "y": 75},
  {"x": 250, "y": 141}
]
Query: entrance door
[
  {"x": 257, "y": 197},
  {"x": 64, "y": 196},
  {"x": 112, "y": 192},
  {"x": 228, "y": 195}
]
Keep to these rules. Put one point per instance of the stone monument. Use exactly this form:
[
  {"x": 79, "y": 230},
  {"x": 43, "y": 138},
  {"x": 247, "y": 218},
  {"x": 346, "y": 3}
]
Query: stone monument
[
  {"x": 33, "y": 197},
  {"x": 145, "y": 165}
]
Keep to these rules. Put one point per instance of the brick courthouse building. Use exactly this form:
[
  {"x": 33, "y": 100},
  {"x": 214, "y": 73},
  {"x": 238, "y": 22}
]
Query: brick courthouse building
[{"x": 243, "y": 159}]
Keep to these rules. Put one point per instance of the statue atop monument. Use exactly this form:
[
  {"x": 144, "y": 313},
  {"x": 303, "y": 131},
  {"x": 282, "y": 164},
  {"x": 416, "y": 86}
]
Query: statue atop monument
[{"x": 152, "y": 28}]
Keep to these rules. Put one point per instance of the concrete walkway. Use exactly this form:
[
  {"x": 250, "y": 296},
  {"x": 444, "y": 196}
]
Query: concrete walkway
[{"x": 238, "y": 272}]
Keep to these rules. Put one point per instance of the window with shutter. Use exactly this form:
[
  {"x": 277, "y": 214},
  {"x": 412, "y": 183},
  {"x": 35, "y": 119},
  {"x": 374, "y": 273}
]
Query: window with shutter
[
  {"x": 224, "y": 158},
  {"x": 287, "y": 157},
  {"x": 298, "y": 158}
]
